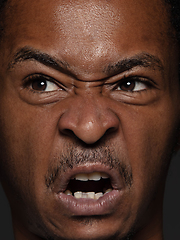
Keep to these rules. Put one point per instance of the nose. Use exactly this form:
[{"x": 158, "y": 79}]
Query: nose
[{"x": 88, "y": 119}]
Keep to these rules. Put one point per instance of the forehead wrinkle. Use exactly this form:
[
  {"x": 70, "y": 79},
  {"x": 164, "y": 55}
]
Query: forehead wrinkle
[
  {"x": 141, "y": 60},
  {"x": 31, "y": 54},
  {"x": 28, "y": 53}
]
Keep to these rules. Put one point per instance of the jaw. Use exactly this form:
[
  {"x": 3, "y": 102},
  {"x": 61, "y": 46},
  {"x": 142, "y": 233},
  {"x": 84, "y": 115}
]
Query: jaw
[
  {"x": 95, "y": 227},
  {"x": 113, "y": 216}
]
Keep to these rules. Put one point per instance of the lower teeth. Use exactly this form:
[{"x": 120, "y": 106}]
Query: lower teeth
[{"x": 90, "y": 195}]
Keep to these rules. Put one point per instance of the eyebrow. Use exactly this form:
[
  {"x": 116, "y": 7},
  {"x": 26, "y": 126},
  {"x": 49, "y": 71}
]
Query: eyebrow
[
  {"x": 145, "y": 60},
  {"x": 138, "y": 60},
  {"x": 29, "y": 53}
]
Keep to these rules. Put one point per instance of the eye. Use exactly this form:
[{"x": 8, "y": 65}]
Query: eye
[
  {"x": 132, "y": 85},
  {"x": 41, "y": 83}
]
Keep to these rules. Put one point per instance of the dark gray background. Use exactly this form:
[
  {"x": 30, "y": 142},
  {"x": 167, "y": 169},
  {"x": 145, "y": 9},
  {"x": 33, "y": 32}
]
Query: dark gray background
[{"x": 171, "y": 206}]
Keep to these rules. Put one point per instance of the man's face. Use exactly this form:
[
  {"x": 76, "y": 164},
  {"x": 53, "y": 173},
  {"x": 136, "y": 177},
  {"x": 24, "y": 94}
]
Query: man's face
[{"x": 89, "y": 88}]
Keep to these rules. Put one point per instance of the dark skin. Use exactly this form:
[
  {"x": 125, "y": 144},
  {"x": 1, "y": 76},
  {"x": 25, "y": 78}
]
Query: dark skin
[{"x": 87, "y": 86}]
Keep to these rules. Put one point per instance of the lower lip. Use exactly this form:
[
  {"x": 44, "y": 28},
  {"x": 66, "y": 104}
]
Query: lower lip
[{"x": 90, "y": 207}]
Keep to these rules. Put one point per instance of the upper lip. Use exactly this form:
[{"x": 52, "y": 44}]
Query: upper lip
[{"x": 62, "y": 180}]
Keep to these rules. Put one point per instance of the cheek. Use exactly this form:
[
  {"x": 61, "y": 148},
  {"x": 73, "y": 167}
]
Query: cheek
[
  {"x": 149, "y": 137},
  {"x": 146, "y": 138},
  {"x": 24, "y": 147}
]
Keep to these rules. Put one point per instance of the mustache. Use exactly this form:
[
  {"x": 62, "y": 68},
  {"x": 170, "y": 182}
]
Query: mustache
[{"x": 73, "y": 156}]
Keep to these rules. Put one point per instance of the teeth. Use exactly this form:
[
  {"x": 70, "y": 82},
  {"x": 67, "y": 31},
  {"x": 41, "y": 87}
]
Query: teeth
[
  {"x": 84, "y": 195},
  {"x": 90, "y": 195},
  {"x": 104, "y": 175},
  {"x": 78, "y": 194},
  {"x": 98, "y": 195},
  {"x": 108, "y": 190},
  {"x": 81, "y": 177},
  {"x": 68, "y": 192},
  {"x": 95, "y": 176}
]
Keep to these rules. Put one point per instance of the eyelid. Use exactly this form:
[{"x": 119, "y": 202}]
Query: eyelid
[
  {"x": 150, "y": 83},
  {"x": 30, "y": 78}
]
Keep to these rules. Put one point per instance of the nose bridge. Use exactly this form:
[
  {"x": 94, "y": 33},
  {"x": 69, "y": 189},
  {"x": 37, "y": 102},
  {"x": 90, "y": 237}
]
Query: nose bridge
[
  {"x": 90, "y": 109},
  {"x": 90, "y": 121},
  {"x": 88, "y": 118}
]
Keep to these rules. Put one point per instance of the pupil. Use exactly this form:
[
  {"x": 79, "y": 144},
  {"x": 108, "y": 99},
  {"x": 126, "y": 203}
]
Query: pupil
[
  {"x": 39, "y": 85},
  {"x": 128, "y": 86}
]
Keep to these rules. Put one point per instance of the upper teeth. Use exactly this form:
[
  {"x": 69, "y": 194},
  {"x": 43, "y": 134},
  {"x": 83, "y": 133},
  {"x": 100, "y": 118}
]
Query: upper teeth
[{"x": 95, "y": 176}]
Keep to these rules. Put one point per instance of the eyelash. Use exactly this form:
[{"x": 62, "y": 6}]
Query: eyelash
[
  {"x": 148, "y": 83},
  {"x": 39, "y": 77},
  {"x": 135, "y": 82}
]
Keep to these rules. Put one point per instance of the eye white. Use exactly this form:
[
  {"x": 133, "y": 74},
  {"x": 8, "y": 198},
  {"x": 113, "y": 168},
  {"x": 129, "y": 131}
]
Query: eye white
[
  {"x": 132, "y": 86},
  {"x": 139, "y": 86},
  {"x": 50, "y": 86},
  {"x": 43, "y": 85}
]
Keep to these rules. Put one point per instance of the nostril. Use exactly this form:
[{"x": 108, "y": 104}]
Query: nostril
[
  {"x": 87, "y": 139},
  {"x": 67, "y": 132},
  {"x": 111, "y": 130},
  {"x": 88, "y": 125}
]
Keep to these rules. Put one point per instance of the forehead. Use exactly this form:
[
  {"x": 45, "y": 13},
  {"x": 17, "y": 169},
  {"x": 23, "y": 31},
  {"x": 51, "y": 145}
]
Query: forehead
[
  {"x": 93, "y": 18},
  {"x": 84, "y": 31}
]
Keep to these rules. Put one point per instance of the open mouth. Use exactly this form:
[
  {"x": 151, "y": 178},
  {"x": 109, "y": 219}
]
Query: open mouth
[
  {"x": 89, "y": 190},
  {"x": 89, "y": 185}
]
